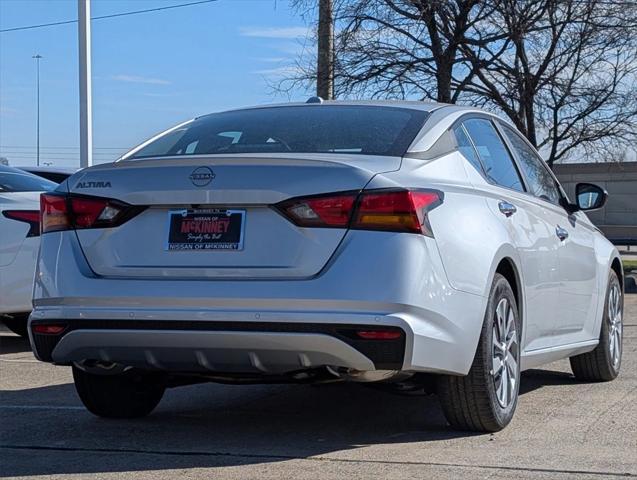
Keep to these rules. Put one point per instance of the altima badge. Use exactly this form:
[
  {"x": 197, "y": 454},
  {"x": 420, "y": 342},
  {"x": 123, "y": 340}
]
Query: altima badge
[{"x": 202, "y": 176}]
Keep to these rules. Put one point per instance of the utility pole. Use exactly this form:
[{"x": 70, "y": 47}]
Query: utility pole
[
  {"x": 37, "y": 57},
  {"x": 325, "y": 57},
  {"x": 86, "y": 109}
]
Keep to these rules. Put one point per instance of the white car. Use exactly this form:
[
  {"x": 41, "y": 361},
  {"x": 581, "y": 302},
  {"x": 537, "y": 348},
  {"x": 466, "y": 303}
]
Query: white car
[
  {"x": 55, "y": 174},
  {"x": 359, "y": 241},
  {"x": 19, "y": 243}
]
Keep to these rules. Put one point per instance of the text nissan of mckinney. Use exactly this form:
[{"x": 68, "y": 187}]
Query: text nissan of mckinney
[{"x": 407, "y": 243}]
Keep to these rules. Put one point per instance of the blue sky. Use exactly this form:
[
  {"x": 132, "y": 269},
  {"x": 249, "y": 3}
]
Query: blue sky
[{"x": 150, "y": 71}]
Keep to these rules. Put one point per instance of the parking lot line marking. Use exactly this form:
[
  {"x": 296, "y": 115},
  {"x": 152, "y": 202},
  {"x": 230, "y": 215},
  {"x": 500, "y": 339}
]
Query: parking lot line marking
[
  {"x": 314, "y": 459},
  {"x": 18, "y": 361},
  {"x": 40, "y": 407}
]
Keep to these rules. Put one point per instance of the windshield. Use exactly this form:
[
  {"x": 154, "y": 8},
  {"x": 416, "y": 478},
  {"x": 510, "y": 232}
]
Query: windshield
[
  {"x": 14, "y": 180},
  {"x": 368, "y": 130}
]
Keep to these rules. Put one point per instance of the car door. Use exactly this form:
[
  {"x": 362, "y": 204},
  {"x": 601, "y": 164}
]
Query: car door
[
  {"x": 524, "y": 217},
  {"x": 576, "y": 312}
]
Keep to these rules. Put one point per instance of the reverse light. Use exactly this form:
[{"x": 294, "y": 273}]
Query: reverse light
[
  {"x": 396, "y": 210},
  {"x": 67, "y": 212},
  {"x": 32, "y": 217}
]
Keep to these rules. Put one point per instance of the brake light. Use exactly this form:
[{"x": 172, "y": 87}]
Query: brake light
[
  {"x": 54, "y": 213},
  {"x": 66, "y": 212},
  {"x": 87, "y": 211},
  {"x": 320, "y": 211},
  {"x": 395, "y": 210},
  {"x": 32, "y": 217}
]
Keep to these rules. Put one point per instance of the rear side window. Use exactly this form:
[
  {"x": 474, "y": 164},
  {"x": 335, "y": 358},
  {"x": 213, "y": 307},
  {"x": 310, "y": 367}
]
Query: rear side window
[
  {"x": 14, "y": 181},
  {"x": 541, "y": 182},
  {"x": 466, "y": 147},
  {"x": 498, "y": 164},
  {"x": 351, "y": 129}
]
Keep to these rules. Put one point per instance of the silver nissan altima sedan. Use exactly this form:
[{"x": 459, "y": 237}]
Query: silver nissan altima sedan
[{"x": 414, "y": 244}]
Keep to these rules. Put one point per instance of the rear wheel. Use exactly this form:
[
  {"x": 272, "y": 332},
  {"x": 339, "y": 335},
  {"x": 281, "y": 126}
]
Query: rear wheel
[
  {"x": 17, "y": 323},
  {"x": 485, "y": 399},
  {"x": 129, "y": 394},
  {"x": 603, "y": 363}
]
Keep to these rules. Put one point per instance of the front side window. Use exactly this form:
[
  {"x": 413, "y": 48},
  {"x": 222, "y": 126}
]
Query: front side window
[
  {"x": 499, "y": 167},
  {"x": 351, "y": 129},
  {"x": 541, "y": 182}
]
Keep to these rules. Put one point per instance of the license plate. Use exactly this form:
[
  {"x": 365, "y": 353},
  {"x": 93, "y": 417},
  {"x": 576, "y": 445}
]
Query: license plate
[{"x": 205, "y": 229}]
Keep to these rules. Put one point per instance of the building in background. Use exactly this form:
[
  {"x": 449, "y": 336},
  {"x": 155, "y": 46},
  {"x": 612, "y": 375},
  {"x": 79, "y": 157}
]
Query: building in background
[{"x": 618, "y": 219}]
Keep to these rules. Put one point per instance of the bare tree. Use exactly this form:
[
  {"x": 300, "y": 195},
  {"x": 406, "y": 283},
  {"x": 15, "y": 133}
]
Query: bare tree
[{"x": 563, "y": 71}]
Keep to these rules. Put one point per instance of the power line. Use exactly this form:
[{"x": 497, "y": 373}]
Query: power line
[
  {"x": 122, "y": 14},
  {"x": 65, "y": 148}
]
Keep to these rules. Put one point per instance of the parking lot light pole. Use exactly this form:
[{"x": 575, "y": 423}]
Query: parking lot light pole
[
  {"x": 86, "y": 110},
  {"x": 37, "y": 57}
]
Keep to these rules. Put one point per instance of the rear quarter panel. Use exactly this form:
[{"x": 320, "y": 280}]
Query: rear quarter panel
[{"x": 470, "y": 240}]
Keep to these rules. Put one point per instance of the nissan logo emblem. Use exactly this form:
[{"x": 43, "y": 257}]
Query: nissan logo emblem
[{"x": 202, "y": 176}]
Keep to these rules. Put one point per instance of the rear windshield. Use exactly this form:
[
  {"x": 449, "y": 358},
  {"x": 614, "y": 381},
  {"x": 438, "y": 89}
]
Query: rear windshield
[
  {"x": 367, "y": 130},
  {"x": 14, "y": 180}
]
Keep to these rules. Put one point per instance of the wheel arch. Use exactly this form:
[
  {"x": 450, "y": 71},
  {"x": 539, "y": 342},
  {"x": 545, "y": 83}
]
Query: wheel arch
[
  {"x": 507, "y": 268},
  {"x": 616, "y": 266},
  {"x": 507, "y": 263}
]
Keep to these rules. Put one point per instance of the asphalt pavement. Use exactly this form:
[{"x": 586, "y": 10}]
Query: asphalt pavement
[{"x": 562, "y": 429}]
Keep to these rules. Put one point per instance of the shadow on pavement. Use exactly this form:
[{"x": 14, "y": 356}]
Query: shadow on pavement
[
  {"x": 211, "y": 425},
  {"x": 535, "y": 379},
  {"x": 13, "y": 344}
]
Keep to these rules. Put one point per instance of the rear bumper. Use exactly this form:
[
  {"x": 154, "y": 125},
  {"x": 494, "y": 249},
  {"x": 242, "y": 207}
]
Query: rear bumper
[
  {"x": 375, "y": 279},
  {"x": 242, "y": 347}
]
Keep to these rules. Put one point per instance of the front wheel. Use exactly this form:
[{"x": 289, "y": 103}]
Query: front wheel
[
  {"x": 602, "y": 364},
  {"x": 130, "y": 394},
  {"x": 485, "y": 399}
]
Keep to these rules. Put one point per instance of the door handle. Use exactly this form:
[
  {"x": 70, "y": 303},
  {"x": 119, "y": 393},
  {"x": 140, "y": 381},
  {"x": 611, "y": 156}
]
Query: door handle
[
  {"x": 561, "y": 233},
  {"x": 506, "y": 208}
]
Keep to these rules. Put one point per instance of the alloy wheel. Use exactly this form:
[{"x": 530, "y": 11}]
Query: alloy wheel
[
  {"x": 615, "y": 325},
  {"x": 505, "y": 354}
]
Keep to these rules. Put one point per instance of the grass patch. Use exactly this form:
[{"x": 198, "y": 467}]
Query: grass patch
[{"x": 629, "y": 265}]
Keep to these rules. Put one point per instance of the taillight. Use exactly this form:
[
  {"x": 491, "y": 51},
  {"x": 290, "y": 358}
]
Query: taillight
[
  {"x": 320, "y": 211},
  {"x": 32, "y": 217},
  {"x": 54, "y": 213},
  {"x": 395, "y": 210},
  {"x": 66, "y": 212}
]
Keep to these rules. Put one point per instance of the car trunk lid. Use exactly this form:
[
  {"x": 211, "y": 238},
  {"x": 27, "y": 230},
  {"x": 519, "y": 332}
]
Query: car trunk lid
[{"x": 205, "y": 190}]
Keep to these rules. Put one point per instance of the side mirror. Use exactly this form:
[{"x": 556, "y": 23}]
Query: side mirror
[{"x": 589, "y": 196}]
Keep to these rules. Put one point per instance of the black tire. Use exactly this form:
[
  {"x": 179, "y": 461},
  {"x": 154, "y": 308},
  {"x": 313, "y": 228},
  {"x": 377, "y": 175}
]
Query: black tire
[
  {"x": 598, "y": 365},
  {"x": 471, "y": 402},
  {"x": 17, "y": 323},
  {"x": 131, "y": 394}
]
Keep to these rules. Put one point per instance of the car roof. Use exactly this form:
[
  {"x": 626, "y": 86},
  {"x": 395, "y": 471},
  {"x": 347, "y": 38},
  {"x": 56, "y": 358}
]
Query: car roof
[
  {"x": 425, "y": 106},
  {"x": 66, "y": 170},
  {"x": 7, "y": 169}
]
